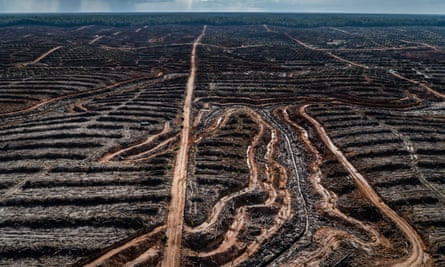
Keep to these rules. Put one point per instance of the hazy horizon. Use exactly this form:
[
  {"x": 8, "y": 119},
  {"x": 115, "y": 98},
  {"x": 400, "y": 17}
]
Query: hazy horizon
[{"x": 274, "y": 6}]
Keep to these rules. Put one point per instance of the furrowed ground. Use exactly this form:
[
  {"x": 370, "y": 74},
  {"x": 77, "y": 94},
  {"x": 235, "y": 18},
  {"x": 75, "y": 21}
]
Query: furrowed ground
[{"x": 197, "y": 145}]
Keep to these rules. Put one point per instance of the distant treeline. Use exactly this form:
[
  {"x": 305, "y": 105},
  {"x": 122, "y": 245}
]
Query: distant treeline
[{"x": 293, "y": 20}]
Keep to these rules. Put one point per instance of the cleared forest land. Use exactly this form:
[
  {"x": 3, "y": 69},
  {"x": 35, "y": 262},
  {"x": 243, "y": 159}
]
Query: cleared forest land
[{"x": 203, "y": 145}]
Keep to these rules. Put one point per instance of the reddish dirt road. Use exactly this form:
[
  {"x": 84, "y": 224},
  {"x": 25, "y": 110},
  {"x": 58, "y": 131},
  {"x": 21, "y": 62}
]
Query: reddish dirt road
[
  {"x": 275, "y": 184},
  {"x": 175, "y": 219},
  {"x": 418, "y": 256},
  {"x": 328, "y": 238}
]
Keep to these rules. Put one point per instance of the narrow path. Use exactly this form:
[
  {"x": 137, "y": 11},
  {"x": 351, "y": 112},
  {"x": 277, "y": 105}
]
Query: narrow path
[
  {"x": 410, "y": 148},
  {"x": 425, "y": 45},
  {"x": 342, "y": 31},
  {"x": 394, "y": 73},
  {"x": 83, "y": 28},
  {"x": 275, "y": 185},
  {"x": 418, "y": 256},
  {"x": 267, "y": 28},
  {"x": 102, "y": 260},
  {"x": 95, "y": 39},
  {"x": 87, "y": 92},
  {"x": 208, "y": 225},
  {"x": 327, "y": 52},
  {"x": 428, "y": 88},
  {"x": 253, "y": 184},
  {"x": 233, "y": 47},
  {"x": 429, "y": 46},
  {"x": 230, "y": 238},
  {"x": 37, "y": 60},
  {"x": 175, "y": 219},
  {"x": 347, "y": 61},
  {"x": 78, "y": 106},
  {"x": 275, "y": 188},
  {"x": 328, "y": 238},
  {"x": 109, "y": 156},
  {"x": 303, "y": 43},
  {"x": 153, "y": 152},
  {"x": 22, "y": 182}
]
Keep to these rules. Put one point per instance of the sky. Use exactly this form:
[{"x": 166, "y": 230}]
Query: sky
[{"x": 342, "y": 6}]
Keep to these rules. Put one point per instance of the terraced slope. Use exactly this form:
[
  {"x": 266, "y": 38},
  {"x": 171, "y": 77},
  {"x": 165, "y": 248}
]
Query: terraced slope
[
  {"x": 88, "y": 163},
  {"x": 256, "y": 145}
]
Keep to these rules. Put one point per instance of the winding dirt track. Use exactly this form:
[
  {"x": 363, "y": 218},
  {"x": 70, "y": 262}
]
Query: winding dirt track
[
  {"x": 230, "y": 238},
  {"x": 253, "y": 173},
  {"x": 275, "y": 185},
  {"x": 418, "y": 256},
  {"x": 328, "y": 238},
  {"x": 253, "y": 184},
  {"x": 275, "y": 190},
  {"x": 175, "y": 219}
]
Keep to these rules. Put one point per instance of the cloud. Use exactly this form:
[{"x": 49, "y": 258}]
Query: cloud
[
  {"x": 362, "y": 6},
  {"x": 27, "y": 6},
  {"x": 96, "y": 6},
  {"x": 161, "y": 5},
  {"x": 69, "y": 6}
]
